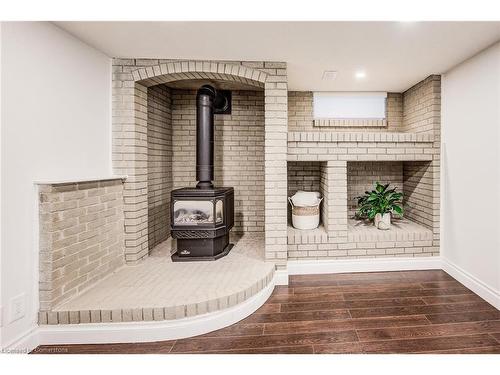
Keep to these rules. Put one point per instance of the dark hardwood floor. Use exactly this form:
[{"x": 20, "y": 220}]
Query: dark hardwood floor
[{"x": 380, "y": 312}]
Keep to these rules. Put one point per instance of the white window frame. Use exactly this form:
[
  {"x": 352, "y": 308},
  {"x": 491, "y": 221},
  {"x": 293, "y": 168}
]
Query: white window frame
[{"x": 349, "y": 105}]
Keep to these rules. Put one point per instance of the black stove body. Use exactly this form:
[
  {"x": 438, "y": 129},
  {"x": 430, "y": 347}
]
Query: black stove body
[{"x": 202, "y": 217}]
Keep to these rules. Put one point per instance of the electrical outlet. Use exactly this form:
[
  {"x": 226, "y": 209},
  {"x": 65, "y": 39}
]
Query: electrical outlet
[{"x": 17, "y": 307}]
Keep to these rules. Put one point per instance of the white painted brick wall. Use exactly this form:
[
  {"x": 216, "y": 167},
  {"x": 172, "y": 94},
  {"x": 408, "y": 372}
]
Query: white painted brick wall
[
  {"x": 239, "y": 152},
  {"x": 362, "y": 175},
  {"x": 81, "y": 237},
  {"x": 159, "y": 141}
]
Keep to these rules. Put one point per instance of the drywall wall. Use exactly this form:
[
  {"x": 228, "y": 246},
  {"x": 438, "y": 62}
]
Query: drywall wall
[
  {"x": 56, "y": 124},
  {"x": 471, "y": 165},
  {"x": 1, "y": 201}
]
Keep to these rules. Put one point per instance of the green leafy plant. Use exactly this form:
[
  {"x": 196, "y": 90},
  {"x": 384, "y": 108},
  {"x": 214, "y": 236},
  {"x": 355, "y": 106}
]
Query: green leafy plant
[{"x": 381, "y": 200}]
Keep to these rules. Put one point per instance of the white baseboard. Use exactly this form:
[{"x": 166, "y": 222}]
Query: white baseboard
[
  {"x": 25, "y": 343},
  {"x": 281, "y": 277},
  {"x": 152, "y": 331},
  {"x": 304, "y": 267},
  {"x": 483, "y": 290}
]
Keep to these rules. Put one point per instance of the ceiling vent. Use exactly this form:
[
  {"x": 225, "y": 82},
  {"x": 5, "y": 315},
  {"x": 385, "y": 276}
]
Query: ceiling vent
[{"x": 329, "y": 75}]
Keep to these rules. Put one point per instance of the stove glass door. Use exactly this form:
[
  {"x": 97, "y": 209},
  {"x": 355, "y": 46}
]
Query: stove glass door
[
  {"x": 193, "y": 212},
  {"x": 219, "y": 212}
]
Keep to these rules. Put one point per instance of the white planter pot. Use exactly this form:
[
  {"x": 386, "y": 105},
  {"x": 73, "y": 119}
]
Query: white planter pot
[{"x": 383, "y": 222}]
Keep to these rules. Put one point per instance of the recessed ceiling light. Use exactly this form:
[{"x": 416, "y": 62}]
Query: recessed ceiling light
[
  {"x": 329, "y": 75},
  {"x": 360, "y": 74}
]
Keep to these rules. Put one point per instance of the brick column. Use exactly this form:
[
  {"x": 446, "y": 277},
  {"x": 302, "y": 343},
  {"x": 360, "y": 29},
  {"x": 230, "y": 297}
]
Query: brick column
[
  {"x": 276, "y": 125},
  {"x": 336, "y": 204},
  {"x": 324, "y": 189},
  {"x": 436, "y": 162},
  {"x": 130, "y": 156},
  {"x": 422, "y": 114}
]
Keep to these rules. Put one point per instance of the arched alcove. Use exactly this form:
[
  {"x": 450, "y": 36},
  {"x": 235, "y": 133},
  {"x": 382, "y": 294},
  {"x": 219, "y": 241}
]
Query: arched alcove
[{"x": 130, "y": 139}]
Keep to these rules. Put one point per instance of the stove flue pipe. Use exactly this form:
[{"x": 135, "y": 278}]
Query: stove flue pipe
[{"x": 205, "y": 101}]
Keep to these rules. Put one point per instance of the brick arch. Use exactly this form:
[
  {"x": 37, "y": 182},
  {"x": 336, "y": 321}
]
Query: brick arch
[
  {"x": 131, "y": 79},
  {"x": 185, "y": 70}
]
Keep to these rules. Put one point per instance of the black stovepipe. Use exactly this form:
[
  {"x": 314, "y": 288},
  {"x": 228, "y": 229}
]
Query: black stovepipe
[{"x": 205, "y": 100}]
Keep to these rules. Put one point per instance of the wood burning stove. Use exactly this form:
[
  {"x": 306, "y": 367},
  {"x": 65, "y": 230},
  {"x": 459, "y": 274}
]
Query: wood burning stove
[
  {"x": 202, "y": 217},
  {"x": 201, "y": 220}
]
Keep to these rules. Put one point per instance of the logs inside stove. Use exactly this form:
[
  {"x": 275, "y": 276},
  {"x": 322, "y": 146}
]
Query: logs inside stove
[{"x": 201, "y": 217}]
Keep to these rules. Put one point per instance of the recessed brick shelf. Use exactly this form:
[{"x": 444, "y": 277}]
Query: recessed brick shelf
[
  {"x": 405, "y": 238},
  {"x": 359, "y": 137},
  {"x": 339, "y": 182},
  {"x": 401, "y": 230},
  {"x": 359, "y": 231},
  {"x": 297, "y": 236},
  {"x": 324, "y": 146}
]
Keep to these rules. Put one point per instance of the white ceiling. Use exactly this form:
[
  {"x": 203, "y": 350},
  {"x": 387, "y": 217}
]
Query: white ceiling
[{"x": 394, "y": 55}]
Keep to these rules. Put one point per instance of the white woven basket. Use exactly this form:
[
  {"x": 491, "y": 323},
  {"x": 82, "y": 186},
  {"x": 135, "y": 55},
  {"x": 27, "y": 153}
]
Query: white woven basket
[{"x": 305, "y": 217}]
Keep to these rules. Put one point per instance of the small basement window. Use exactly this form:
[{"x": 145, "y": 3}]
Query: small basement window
[{"x": 349, "y": 105}]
